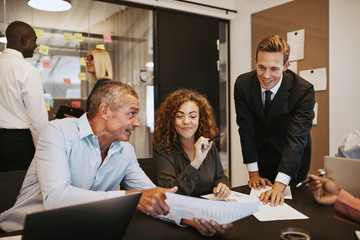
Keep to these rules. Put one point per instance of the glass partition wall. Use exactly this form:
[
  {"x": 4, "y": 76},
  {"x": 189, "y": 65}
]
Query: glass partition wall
[{"x": 64, "y": 38}]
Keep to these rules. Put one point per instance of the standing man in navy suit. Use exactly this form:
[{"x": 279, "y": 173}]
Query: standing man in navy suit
[{"x": 274, "y": 125}]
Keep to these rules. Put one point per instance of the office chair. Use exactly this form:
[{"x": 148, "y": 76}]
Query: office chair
[
  {"x": 148, "y": 165},
  {"x": 10, "y": 185}
]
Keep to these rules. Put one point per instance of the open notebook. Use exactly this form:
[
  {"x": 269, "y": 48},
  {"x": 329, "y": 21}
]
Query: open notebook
[{"x": 105, "y": 219}]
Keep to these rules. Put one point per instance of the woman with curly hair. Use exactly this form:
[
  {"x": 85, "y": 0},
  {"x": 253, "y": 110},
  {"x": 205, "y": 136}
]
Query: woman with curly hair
[{"x": 184, "y": 156}]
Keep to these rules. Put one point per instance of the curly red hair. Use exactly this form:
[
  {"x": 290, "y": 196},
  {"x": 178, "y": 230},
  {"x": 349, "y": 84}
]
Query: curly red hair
[{"x": 165, "y": 135}]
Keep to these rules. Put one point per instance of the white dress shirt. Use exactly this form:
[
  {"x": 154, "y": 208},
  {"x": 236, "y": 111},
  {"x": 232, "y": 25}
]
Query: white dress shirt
[
  {"x": 22, "y": 103},
  {"x": 67, "y": 169},
  {"x": 253, "y": 167}
]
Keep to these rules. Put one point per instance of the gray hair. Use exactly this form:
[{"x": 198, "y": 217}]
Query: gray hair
[{"x": 111, "y": 93}]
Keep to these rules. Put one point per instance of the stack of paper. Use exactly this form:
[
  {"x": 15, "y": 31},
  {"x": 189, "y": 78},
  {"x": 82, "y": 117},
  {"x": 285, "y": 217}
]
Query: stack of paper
[{"x": 222, "y": 212}]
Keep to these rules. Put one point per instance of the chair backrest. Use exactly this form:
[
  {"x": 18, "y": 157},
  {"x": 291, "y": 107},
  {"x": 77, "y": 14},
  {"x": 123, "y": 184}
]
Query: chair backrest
[
  {"x": 10, "y": 185},
  {"x": 149, "y": 167}
]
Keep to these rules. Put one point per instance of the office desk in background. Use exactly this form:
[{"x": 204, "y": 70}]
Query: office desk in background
[{"x": 321, "y": 224}]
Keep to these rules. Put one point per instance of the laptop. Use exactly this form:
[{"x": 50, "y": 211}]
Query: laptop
[
  {"x": 345, "y": 172},
  {"x": 105, "y": 219},
  {"x": 75, "y": 112}
]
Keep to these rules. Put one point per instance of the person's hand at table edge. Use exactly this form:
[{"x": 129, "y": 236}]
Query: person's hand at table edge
[{"x": 207, "y": 227}]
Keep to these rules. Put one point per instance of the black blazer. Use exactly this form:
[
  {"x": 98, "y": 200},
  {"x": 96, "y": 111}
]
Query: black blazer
[{"x": 287, "y": 125}]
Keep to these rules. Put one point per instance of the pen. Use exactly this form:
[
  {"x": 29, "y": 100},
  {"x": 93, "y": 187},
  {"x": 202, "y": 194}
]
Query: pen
[
  {"x": 216, "y": 137},
  {"x": 259, "y": 184},
  {"x": 322, "y": 173}
]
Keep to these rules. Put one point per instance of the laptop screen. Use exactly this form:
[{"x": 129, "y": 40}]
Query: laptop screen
[
  {"x": 105, "y": 219},
  {"x": 344, "y": 172}
]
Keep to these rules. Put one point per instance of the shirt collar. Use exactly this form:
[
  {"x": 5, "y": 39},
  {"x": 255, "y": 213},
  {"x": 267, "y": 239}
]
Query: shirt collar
[
  {"x": 13, "y": 51},
  {"x": 84, "y": 126},
  {"x": 86, "y": 130},
  {"x": 178, "y": 148}
]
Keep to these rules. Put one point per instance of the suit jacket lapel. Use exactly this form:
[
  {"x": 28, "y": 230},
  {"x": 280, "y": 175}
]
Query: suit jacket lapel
[{"x": 256, "y": 95}]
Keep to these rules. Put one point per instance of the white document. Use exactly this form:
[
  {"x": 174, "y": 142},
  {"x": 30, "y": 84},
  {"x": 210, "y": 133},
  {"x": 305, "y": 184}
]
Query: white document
[
  {"x": 357, "y": 234},
  {"x": 317, "y": 77},
  {"x": 280, "y": 212},
  {"x": 17, "y": 237},
  {"x": 296, "y": 40},
  {"x": 256, "y": 193},
  {"x": 316, "y": 113},
  {"x": 222, "y": 212},
  {"x": 234, "y": 197}
]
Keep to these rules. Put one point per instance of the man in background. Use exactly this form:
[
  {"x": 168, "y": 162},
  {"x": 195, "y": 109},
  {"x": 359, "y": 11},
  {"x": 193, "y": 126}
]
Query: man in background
[{"x": 22, "y": 103}]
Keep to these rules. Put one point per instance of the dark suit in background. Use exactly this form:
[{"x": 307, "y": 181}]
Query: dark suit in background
[{"x": 279, "y": 142}]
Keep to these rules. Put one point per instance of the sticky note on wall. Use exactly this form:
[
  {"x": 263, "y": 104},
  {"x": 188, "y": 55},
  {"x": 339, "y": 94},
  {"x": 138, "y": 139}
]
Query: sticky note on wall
[
  {"x": 39, "y": 33},
  {"x": 78, "y": 37},
  {"x": 107, "y": 38},
  {"x": 82, "y": 61},
  {"x": 82, "y": 76},
  {"x": 100, "y": 46},
  {"x": 68, "y": 37},
  {"x": 47, "y": 63},
  {"x": 43, "y": 49}
]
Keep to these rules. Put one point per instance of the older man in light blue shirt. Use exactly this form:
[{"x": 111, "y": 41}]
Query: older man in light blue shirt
[{"x": 85, "y": 159}]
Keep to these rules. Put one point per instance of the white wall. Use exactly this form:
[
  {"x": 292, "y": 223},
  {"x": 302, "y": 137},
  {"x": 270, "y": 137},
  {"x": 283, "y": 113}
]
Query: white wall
[{"x": 344, "y": 79}]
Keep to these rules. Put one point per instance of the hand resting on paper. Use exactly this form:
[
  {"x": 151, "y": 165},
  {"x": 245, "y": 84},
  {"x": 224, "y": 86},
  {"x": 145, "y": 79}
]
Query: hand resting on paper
[
  {"x": 207, "y": 227},
  {"x": 274, "y": 196}
]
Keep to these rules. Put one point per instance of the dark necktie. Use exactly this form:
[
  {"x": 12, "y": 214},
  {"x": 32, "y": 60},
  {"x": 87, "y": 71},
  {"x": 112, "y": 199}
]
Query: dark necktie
[{"x": 267, "y": 101}]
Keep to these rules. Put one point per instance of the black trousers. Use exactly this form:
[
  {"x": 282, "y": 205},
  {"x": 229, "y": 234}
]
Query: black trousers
[{"x": 16, "y": 149}]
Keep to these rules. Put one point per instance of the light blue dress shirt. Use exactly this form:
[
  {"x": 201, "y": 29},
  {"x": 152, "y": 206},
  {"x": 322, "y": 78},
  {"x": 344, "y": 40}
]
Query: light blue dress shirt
[{"x": 67, "y": 169}]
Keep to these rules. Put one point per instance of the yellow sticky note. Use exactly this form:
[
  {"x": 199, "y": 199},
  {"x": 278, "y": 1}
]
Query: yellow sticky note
[
  {"x": 48, "y": 107},
  {"x": 43, "y": 49},
  {"x": 82, "y": 61},
  {"x": 68, "y": 37},
  {"x": 39, "y": 33},
  {"x": 100, "y": 46},
  {"x": 78, "y": 37},
  {"x": 82, "y": 76}
]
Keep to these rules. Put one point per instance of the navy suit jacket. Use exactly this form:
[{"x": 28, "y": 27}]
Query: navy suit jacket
[{"x": 286, "y": 129}]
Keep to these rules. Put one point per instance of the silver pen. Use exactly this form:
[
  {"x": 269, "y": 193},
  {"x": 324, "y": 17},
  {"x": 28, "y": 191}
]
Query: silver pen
[{"x": 322, "y": 173}]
